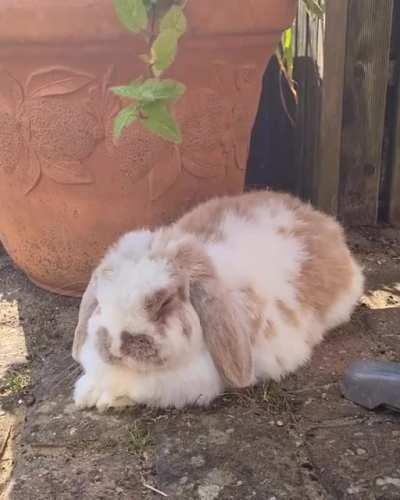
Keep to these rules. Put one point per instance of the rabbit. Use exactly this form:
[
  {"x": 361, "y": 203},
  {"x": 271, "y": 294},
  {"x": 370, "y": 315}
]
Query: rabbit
[{"x": 239, "y": 290}]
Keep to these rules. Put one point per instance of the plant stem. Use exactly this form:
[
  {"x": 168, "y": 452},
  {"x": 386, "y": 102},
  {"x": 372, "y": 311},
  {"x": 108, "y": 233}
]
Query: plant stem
[{"x": 153, "y": 36}]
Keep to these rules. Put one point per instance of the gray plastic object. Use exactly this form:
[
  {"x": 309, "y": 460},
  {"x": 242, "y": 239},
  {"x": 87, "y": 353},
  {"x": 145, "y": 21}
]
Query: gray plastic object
[{"x": 372, "y": 384}]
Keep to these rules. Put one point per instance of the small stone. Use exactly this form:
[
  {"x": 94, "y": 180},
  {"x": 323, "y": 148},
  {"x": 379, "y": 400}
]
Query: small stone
[
  {"x": 208, "y": 492},
  {"x": 279, "y": 423},
  {"x": 394, "y": 481},
  {"x": 72, "y": 431},
  {"x": 119, "y": 490},
  {"x": 361, "y": 451},
  {"x": 197, "y": 461},
  {"x": 353, "y": 490},
  {"x": 183, "y": 480},
  {"x": 218, "y": 437},
  {"x": 220, "y": 477}
]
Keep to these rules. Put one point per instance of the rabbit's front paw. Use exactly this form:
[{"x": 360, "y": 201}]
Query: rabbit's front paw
[{"x": 88, "y": 394}]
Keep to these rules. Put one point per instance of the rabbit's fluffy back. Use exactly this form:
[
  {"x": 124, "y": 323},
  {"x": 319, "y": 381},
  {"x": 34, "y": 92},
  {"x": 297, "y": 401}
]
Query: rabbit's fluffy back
[
  {"x": 268, "y": 276},
  {"x": 293, "y": 258}
]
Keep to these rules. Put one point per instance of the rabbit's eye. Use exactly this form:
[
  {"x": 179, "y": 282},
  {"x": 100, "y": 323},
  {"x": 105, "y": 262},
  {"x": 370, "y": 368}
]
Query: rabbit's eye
[
  {"x": 160, "y": 304},
  {"x": 164, "y": 307}
]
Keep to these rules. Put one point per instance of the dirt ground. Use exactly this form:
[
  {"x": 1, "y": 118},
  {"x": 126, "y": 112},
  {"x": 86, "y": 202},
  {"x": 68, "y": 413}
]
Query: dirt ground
[{"x": 296, "y": 440}]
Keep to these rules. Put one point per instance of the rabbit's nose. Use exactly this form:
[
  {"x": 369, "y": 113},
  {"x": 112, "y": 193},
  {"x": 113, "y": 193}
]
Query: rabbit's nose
[{"x": 137, "y": 346}]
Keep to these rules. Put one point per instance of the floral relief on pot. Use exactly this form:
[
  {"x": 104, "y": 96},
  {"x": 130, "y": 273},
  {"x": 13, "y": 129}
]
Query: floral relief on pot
[
  {"x": 52, "y": 132},
  {"x": 53, "y": 123}
]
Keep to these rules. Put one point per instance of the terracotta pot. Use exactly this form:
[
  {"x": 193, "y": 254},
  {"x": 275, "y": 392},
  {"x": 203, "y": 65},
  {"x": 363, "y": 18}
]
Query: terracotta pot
[{"x": 66, "y": 191}]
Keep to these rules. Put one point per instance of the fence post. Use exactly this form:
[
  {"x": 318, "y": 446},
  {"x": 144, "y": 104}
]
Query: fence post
[
  {"x": 330, "y": 140},
  {"x": 364, "y": 101},
  {"x": 394, "y": 210},
  {"x": 394, "y": 202}
]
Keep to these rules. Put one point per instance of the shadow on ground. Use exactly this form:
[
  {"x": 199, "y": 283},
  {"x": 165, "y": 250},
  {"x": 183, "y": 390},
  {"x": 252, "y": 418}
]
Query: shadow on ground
[{"x": 296, "y": 440}]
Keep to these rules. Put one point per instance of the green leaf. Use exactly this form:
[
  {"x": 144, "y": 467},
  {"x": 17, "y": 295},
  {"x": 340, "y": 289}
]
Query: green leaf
[
  {"x": 288, "y": 51},
  {"x": 125, "y": 118},
  {"x": 151, "y": 90},
  {"x": 163, "y": 51},
  {"x": 174, "y": 19},
  {"x": 287, "y": 38},
  {"x": 160, "y": 121},
  {"x": 132, "y": 14},
  {"x": 124, "y": 91}
]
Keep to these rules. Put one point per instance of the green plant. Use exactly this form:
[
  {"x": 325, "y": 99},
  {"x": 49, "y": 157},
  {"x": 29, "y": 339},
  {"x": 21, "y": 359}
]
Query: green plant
[
  {"x": 15, "y": 383},
  {"x": 150, "y": 97},
  {"x": 286, "y": 50},
  {"x": 139, "y": 439}
]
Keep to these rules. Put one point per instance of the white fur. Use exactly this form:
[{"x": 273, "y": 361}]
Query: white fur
[
  {"x": 103, "y": 385},
  {"x": 253, "y": 252}
]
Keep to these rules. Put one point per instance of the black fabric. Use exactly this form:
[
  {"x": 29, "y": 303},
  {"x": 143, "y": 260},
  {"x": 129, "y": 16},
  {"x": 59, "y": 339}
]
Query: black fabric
[{"x": 271, "y": 159}]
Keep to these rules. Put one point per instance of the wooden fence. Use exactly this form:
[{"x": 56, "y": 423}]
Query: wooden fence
[{"x": 343, "y": 153}]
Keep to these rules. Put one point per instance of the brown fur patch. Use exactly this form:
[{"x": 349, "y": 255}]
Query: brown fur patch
[
  {"x": 186, "y": 325},
  {"x": 206, "y": 221},
  {"x": 190, "y": 258},
  {"x": 328, "y": 271},
  {"x": 253, "y": 307},
  {"x": 160, "y": 304},
  {"x": 283, "y": 231},
  {"x": 288, "y": 314},
  {"x": 139, "y": 347},
  {"x": 103, "y": 346}
]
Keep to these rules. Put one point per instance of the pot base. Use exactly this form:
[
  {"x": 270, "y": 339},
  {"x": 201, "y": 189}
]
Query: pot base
[{"x": 56, "y": 290}]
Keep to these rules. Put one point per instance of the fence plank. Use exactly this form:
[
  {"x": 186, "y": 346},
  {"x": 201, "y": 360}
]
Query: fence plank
[
  {"x": 365, "y": 89},
  {"x": 394, "y": 208},
  {"x": 328, "y": 173},
  {"x": 307, "y": 75}
]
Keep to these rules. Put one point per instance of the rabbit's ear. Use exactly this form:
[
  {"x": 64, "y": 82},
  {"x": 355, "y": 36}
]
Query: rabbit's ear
[
  {"x": 228, "y": 343},
  {"x": 86, "y": 309},
  {"x": 221, "y": 316}
]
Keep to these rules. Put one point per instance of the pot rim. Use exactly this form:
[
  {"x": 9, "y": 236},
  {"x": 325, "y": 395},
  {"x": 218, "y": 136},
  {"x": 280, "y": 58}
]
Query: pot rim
[{"x": 77, "y": 21}]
